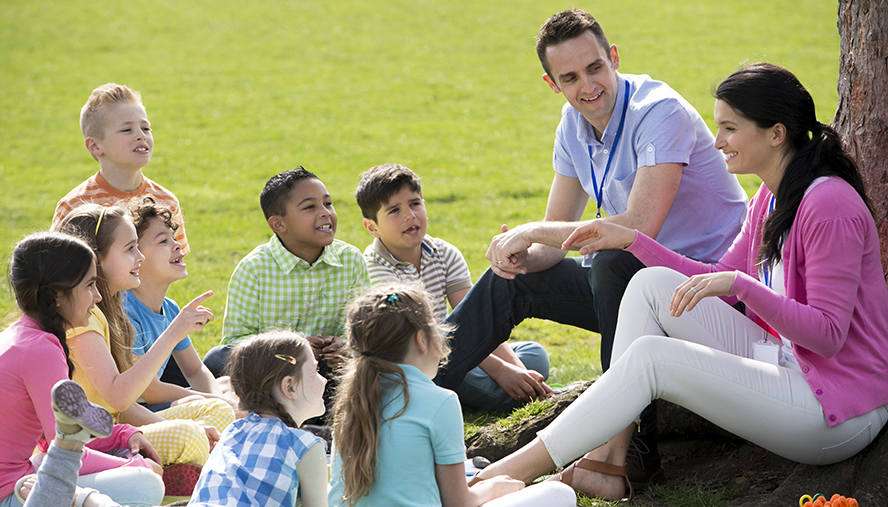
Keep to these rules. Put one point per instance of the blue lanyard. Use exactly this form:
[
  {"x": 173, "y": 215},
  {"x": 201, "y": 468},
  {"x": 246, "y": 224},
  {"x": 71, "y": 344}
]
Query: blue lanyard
[
  {"x": 766, "y": 266},
  {"x": 599, "y": 191}
]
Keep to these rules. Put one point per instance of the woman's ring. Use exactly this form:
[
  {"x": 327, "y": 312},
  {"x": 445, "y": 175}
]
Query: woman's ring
[
  {"x": 499, "y": 262},
  {"x": 694, "y": 290}
]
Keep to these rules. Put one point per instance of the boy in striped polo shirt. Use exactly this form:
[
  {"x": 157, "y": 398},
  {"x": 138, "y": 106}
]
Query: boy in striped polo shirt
[
  {"x": 390, "y": 197},
  {"x": 117, "y": 134}
]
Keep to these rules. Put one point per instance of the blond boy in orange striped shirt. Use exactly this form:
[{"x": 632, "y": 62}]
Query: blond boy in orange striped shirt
[{"x": 117, "y": 134}]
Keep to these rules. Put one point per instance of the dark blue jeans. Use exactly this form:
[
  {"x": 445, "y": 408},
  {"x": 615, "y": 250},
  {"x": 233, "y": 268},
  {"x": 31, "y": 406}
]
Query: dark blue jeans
[{"x": 562, "y": 293}]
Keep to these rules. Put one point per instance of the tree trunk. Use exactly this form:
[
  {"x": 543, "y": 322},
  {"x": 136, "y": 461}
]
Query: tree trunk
[{"x": 862, "y": 114}]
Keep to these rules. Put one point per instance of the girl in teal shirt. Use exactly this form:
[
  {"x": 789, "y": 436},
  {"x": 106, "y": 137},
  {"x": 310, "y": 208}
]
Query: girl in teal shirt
[{"x": 401, "y": 434}]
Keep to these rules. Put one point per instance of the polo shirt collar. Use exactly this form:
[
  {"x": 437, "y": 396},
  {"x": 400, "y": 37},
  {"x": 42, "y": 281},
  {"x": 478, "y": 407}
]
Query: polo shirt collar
[
  {"x": 287, "y": 262},
  {"x": 586, "y": 134},
  {"x": 379, "y": 249}
]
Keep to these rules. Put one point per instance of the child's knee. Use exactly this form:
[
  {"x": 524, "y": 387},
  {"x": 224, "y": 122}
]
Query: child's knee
[
  {"x": 179, "y": 441},
  {"x": 219, "y": 414},
  {"x": 213, "y": 412},
  {"x": 196, "y": 448}
]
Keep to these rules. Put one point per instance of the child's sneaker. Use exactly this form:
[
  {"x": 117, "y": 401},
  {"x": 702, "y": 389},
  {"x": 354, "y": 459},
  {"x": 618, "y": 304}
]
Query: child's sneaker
[{"x": 70, "y": 406}]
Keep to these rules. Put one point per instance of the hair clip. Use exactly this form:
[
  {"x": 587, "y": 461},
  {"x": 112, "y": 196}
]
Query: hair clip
[
  {"x": 287, "y": 358},
  {"x": 99, "y": 221},
  {"x": 392, "y": 298},
  {"x": 366, "y": 353}
]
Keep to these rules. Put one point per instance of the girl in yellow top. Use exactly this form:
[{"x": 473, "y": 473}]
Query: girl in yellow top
[{"x": 101, "y": 351}]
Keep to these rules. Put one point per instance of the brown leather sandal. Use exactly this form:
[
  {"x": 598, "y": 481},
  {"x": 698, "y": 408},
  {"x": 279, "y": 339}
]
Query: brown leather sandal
[{"x": 566, "y": 475}]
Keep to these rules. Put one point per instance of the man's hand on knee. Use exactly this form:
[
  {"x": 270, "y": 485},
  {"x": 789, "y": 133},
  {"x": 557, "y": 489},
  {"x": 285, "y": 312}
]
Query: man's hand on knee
[{"x": 507, "y": 252}]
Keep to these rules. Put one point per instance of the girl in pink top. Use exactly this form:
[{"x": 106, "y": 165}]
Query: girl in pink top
[
  {"x": 53, "y": 277},
  {"x": 804, "y": 373}
]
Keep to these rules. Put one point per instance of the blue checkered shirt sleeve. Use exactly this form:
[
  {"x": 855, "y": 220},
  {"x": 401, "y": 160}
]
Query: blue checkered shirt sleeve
[{"x": 254, "y": 464}]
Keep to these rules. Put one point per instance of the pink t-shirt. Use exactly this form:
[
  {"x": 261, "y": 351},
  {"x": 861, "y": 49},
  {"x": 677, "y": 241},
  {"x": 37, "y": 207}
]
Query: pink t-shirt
[{"x": 31, "y": 362}]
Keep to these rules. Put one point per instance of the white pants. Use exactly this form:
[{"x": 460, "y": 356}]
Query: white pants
[
  {"x": 550, "y": 494},
  {"x": 701, "y": 361}
]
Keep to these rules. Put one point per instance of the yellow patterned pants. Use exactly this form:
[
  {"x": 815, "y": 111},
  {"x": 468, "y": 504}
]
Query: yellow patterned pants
[{"x": 182, "y": 438}]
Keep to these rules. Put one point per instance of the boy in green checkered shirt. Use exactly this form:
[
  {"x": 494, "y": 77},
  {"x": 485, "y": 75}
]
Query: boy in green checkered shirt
[{"x": 302, "y": 279}]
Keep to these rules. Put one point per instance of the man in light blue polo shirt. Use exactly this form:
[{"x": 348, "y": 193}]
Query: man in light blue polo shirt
[{"x": 647, "y": 161}]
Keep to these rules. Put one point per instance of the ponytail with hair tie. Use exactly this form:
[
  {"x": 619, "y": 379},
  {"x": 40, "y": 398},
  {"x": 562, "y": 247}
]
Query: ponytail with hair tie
[{"x": 381, "y": 325}]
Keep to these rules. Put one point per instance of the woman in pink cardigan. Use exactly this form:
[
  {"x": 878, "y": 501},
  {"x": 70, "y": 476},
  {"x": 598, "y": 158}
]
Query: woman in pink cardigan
[
  {"x": 804, "y": 373},
  {"x": 53, "y": 277}
]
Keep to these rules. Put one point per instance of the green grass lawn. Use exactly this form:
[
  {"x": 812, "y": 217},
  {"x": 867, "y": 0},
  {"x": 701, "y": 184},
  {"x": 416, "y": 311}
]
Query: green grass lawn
[{"x": 239, "y": 91}]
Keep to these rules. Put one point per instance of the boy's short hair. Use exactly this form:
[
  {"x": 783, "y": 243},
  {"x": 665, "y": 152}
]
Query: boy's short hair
[
  {"x": 564, "y": 26},
  {"x": 276, "y": 193},
  {"x": 378, "y": 184},
  {"x": 144, "y": 208},
  {"x": 92, "y": 116}
]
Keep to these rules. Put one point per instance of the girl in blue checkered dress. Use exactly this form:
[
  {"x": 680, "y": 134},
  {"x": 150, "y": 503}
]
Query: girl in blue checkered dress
[{"x": 264, "y": 458}]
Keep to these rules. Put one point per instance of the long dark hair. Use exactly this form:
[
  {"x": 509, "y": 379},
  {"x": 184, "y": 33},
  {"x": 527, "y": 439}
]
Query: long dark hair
[
  {"x": 767, "y": 94},
  {"x": 45, "y": 266},
  {"x": 380, "y": 327}
]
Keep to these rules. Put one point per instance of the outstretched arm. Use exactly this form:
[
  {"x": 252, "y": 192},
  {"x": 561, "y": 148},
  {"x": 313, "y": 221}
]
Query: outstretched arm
[
  {"x": 649, "y": 201},
  {"x": 121, "y": 390},
  {"x": 536, "y": 246},
  {"x": 652, "y": 194}
]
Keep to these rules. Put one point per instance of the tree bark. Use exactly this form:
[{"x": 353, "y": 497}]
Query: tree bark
[{"x": 862, "y": 114}]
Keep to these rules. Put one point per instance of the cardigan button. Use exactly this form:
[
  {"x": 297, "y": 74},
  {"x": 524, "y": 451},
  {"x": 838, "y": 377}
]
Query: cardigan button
[
  {"x": 818, "y": 392},
  {"x": 805, "y": 368},
  {"x": 832, "y": 418}
]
